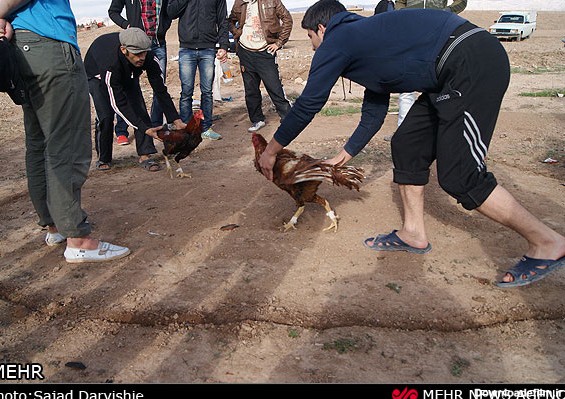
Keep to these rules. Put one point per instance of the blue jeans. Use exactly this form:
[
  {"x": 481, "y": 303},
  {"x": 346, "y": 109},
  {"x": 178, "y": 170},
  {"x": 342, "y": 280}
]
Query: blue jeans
[
  {"x": 189, "y": 60},
  {"x": 160, "y": 51},
  {"x": 121, "y": 127}
]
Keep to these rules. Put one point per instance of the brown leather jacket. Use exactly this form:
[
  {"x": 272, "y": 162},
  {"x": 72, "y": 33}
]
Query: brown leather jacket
[{"x": 276, "y": 21}]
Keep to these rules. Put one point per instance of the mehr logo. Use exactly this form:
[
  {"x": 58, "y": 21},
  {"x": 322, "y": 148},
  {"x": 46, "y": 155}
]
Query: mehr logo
[
  {"x": 405, "y": 394},
  {"x": 21, "y": 371}
]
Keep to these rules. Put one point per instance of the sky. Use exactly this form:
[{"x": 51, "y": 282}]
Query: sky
[{"x": 98, "y": 9}]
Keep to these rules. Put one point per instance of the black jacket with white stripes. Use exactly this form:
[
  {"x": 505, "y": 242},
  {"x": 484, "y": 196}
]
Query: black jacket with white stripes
[{"x": 105, "y": 61}]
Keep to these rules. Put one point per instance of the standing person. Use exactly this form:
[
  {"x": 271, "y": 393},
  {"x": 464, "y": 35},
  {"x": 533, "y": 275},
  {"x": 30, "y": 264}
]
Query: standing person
[
  {"x": 456, "y": 5},
  {"x": 405, "y": 100},
  {"x": 202, "y": 25},
  {"x": 260, "y": 28},
  {"x": 114, "y": 62},
  {"x": 384, "y": 6},
  {"x": 216, "y": 89},
  {"x": 56, "y": 121},
  {"x": 152, "y": 17},
  {"x": 121, "y": 129},
  {"x": 452, "y": 122}
]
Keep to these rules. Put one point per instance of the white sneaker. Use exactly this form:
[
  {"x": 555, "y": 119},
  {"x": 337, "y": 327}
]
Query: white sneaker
[
  {"x": 256, "y": 126},
  {"x": 104, "y": 252},
  {"x": 53, "y": 239}
]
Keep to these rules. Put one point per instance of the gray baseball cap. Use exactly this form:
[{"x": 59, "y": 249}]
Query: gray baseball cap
[{"x": 135, "y": 40}]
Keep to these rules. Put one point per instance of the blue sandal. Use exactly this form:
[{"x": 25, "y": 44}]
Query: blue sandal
[
  {"x": 529, "y": 270},
  {"x": 391, "y": 242}
]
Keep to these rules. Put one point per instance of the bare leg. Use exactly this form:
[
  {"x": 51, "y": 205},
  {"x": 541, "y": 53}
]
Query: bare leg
[
  {"x": 413, "y": 231},
  {"x": 180, "y": 172},
  {"x": 294, "y": 219},
  {"x": 82, "y": 242},
  {"x": 86, "y": 242},
  {"x": 169, "y": 168},
  {"x": 543, "y": 242},
  {"x": 333, "y": 217}
]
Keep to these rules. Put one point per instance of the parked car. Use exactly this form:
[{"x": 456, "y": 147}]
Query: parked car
[{"x": 514, "y": 25}]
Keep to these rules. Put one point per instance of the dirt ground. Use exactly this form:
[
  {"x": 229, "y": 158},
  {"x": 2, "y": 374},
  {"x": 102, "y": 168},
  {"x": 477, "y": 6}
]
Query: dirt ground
[{"x": 197, "y": 303}]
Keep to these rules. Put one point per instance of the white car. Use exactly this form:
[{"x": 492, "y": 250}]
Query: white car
[{"x": 514, "y": 25}]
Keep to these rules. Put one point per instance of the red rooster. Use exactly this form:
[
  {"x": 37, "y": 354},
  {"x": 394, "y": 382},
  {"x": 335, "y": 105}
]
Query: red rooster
[
  {"x": 300, "y": 175},
  {"x": 180, "y": 143}
]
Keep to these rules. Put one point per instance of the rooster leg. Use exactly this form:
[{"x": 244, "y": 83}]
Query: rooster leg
[
  {"x": 169, "y": 168},
  {"x": 180, "y": 172},
  {"x": 333, "y": 217},
  {"x": 294, "y": 219}
]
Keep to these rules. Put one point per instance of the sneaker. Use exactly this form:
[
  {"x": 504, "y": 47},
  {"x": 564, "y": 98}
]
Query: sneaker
[
  {"x": 122, "y": 140},
  {"x": 104, "y": 252},
  {"x": 211, "y": 135},
  {"x": 256, "y": 126},
  {"x": 53, "y": 239}
]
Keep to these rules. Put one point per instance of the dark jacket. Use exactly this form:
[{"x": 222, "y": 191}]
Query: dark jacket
[
  {"x": 383, "y": 6},
  {"x": 202, "y": 23},
  {"x": 276, "y": 20},
  {"x": 133, "y": 15},
  {"x": 105, "y": 61},
  {"x": 404, "y": 61}
]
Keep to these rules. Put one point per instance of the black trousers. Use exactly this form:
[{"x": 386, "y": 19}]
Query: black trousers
[
  {"x": 104, "y": 122},
  {"x": 257, "y": 67},
  {"x": 454, "y": 127}
]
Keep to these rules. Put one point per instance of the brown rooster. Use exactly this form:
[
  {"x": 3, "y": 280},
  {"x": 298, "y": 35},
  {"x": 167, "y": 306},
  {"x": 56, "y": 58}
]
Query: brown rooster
[
  {"x": 300, "y": 175},
  {"x": 180, "y": 143}
]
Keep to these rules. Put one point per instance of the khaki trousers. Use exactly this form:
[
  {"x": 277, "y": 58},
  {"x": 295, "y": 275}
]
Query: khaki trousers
[{"x": 57, "y": 127}]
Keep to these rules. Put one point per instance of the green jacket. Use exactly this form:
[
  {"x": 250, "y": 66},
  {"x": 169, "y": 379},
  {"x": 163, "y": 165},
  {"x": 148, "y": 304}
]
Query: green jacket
[{"x": 456, "y": 6}]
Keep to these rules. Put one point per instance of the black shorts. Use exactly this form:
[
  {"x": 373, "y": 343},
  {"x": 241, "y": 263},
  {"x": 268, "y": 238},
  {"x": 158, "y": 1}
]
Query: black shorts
[{"x": 454, "y": 126}]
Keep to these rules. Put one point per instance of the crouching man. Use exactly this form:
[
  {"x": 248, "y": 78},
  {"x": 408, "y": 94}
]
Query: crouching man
[
  {"x": 462, "y": 72},
  {"x": 113, "y": 64}
]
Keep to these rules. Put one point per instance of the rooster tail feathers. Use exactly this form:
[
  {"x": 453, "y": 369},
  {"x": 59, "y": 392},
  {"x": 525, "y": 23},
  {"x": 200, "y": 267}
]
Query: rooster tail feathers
[
  {"x": 313, "y": 174},
  {"x": 348, "y": 176}
]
